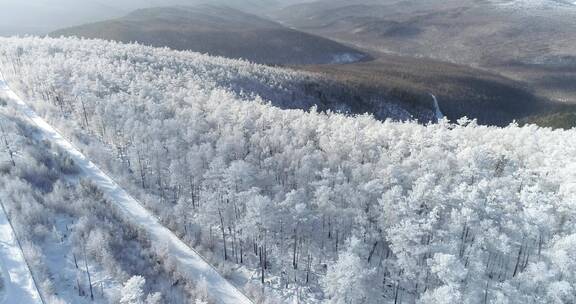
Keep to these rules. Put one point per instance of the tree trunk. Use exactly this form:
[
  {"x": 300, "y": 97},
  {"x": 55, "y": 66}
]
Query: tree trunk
[
  {"x": 517, "y": 267},
  {"x": 75, "y": 260},
  {"x": 294, "y": 262},
  {"x": 396, "y": 293},
  {"x": 372, "y": 251},
  {"x": 141, "y": 167},
  {"x": 309, "y": 266},
  {"x": 262, "y": 264},
  {"x": 223, "y": 234},
  {"x": 486, "y": 290},
  {"x": 10, "y": 152},
  {"x": 88, "y": 273},
  {"x": 85, "y": 114}
]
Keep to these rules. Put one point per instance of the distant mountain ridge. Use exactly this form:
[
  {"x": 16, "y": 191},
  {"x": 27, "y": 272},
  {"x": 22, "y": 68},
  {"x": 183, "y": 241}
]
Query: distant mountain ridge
[
  {"x": 40, "y": 17},
  {"x": 219, "y": 31},
  {"x": 459, "y": 31},
  {"x": 532, "y": 42}
]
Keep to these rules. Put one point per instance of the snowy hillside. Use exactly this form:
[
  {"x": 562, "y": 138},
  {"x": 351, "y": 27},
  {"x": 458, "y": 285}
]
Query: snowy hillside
[
  {"x": 293, "y": 205},
  {"x": 536, "y": 8},
  {"x": 536, "y": 4},
  {"x": 218, "y": 31},
  {"x": 284, "y": 88}
]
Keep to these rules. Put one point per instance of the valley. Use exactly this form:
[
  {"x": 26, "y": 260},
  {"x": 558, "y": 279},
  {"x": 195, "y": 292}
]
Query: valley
[
  {"x": 527, "y": 42},
  {"x": 462, "y": 91}
]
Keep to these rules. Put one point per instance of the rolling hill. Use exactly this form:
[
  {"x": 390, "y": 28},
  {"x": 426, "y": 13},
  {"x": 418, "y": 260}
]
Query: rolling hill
[
  {"x": 40, "y": 17},
  {"x": 459, "y": 31},
  {"x": 220, "y": 31},
  {"x": 490, "y": 98}
]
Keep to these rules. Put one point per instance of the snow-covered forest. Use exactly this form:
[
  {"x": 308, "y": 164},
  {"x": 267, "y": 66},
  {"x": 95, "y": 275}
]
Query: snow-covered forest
[
  {"x": 79, "y": 248},
  {"x": 288, "y": 204}
]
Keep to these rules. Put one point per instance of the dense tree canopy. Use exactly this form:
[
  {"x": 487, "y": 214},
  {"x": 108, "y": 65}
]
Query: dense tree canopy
[
  {"x": 321, "y": 205},
  {"x": 78, "y": 246}
]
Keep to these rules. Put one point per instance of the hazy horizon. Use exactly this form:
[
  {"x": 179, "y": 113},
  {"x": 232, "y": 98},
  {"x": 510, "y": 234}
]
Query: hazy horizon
[{"x": 40, "y": 17}]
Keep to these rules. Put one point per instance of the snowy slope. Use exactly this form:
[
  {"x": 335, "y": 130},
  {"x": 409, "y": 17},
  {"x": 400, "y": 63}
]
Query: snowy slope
[
  {"x": 534, "y": 8},
  {"x": 190, "y": 262},
  {"x": 537, "y": 4},
  {"x": 18, "y": 286}
]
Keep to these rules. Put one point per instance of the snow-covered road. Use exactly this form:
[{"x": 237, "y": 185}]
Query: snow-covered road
[
  {"x": 190, "y": 262},
  {"x": 17, "y": 284},
  {"x": 438, "y": 113}
]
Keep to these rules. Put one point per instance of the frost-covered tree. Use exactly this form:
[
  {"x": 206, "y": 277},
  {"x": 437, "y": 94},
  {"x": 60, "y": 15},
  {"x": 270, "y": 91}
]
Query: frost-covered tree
[
  {"x": 421, "y": 213},
  {"x": 133, "y": 292},
  {"x": 351, "y": 280}
]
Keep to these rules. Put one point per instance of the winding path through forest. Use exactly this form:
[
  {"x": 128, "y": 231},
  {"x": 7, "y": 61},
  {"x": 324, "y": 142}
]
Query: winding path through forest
[{"x": 190, "y": 263}]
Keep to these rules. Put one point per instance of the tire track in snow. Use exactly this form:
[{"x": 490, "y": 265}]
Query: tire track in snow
[{"x": 19, "y": 285}]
